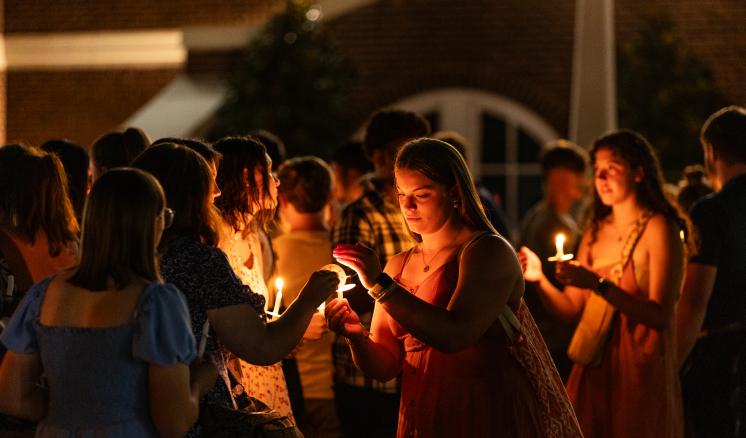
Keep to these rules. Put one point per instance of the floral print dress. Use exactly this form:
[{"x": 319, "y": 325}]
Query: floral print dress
[{"x": 266, "y": 383}]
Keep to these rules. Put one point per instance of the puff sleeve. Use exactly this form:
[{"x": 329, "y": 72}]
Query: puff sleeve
[
  {"x": 20, "y": 334},
  {"x": 163, "y": 333}
]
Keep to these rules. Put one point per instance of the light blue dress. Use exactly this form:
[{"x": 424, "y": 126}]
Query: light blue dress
[{"x": 98, "y": 377}]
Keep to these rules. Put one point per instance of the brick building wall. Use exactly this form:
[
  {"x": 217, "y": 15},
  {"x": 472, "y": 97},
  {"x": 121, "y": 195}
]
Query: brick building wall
[
  {"x": 518, "y": 49},
  {"x": 715, "y": 30},
  {"x": 83, "y": 102},
  {"x": 521, "y": 50},
  {"x": 23, "y": 16},
  {"x": 79, "y": 105}
]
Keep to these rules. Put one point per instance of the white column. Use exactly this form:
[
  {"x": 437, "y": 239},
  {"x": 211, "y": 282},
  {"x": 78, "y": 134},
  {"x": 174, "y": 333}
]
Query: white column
[{"x": 593, "y": 99}]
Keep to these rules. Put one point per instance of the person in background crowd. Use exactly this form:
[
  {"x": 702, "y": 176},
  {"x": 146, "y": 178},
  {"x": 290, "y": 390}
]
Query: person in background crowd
[
  {"x": 204, "y": 149},
  {"x": 712, "y": 313},
  {"x": 38, "y": 232},
  {"x": 563, "y": 171},
  {"x": 273, "y": 144},
  {"x": 113, "y": 342},
  {"x": 276, "y": 150},
  {"x": 38, "y": 229},
  {"x": 247, "y": 203},
  {"x": 192, "y": 262},
  {"x": 693, "y": 187},
  {"x": 349, "y": 165},
  {"x": 451, "y": 320},
  {"x": 494, "y": 213},
  {"x": 117, "y": 149},
  {"x": 367, "y": 407},
  {"x": 624, "y": 282},
  {"x": 305, "y": 191},
  {"x": 74, "y": 159}
]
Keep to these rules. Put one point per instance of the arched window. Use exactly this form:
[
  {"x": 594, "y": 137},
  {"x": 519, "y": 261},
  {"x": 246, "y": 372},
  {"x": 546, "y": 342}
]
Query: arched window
[{"x": 505, "y": 136}]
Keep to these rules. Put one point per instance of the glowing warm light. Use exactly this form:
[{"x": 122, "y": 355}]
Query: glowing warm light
[
  {"x": 313, "y": 14},
  {"x": 559, "y": 244},
  {"x": 344, "y": 288},
  {"x": 342, "y": 276},
  {"x": 278, "y": 298}
]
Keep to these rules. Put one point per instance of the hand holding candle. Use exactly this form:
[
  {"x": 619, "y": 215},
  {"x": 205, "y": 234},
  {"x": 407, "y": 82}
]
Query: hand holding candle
[
  {"x": 560, "y": 256},
  {"x": 342, "y": 276}
]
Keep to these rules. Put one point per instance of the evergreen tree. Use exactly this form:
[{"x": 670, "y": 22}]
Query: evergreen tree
[
  {"x": 665, "y": 93},
  {"x": 292, "y": 81}
]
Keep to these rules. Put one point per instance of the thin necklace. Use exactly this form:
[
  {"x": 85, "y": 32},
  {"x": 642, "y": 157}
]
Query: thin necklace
[
  {"x": 622, "y": 232},
  {"x": 422, "y": 254}
]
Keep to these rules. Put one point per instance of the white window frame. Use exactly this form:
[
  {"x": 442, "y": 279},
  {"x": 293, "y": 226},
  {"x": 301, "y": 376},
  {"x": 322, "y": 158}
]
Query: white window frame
[{"x": 461, "y": 109}]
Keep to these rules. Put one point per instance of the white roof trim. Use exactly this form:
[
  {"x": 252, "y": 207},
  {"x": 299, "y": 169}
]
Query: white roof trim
[
  {"x": 3, "y": 58},
  {"x": 85, "y": 50},
  {"x": 180, "y": 108}
]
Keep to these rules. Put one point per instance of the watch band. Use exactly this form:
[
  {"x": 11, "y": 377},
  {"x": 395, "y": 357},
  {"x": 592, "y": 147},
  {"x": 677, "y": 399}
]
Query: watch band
[
  {"x": 384, "y": 280},
  {"x": 383, "y": 287}
]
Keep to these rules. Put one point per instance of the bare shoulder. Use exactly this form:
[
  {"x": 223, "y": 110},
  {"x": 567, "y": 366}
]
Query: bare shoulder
[
  {"x": 662, "y": 232},
  {"x": 660, "y": 227},
  {"x": 489, "y": 246}
]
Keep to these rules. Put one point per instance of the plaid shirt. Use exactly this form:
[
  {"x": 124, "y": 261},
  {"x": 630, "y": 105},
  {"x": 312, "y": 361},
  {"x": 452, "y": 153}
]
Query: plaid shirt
[{"x": 377, "y": 223}]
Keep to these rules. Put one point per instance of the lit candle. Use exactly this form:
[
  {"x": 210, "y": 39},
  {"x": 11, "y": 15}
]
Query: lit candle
[
  {"x": 342, "y": 276},
  {"x": 559, "y": 244},
  {"x": 278, "y": 298},
  {"x": 344, "y": 288}
]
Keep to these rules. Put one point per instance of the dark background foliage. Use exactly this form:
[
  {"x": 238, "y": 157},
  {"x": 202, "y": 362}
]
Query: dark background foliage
[
  {"x": 292, "y": 81},
  {"x": 665, "y": 93}
]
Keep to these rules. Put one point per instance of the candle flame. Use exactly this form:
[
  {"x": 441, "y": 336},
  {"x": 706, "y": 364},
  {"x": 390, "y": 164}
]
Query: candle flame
[
  {"x": 560, "y": 239},
  {"x": 279, "y": 282}
]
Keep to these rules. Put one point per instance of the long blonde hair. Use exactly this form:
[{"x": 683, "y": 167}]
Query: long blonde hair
[{"x": 443, "y": 164}]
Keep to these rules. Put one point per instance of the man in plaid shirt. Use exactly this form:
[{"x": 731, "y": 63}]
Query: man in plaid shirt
[{"x": 367, "y": 407}]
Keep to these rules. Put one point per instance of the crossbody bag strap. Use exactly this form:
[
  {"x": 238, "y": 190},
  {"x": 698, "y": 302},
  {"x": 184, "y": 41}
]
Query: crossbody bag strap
[
  {"x": 507, "y": 318},
  {"x": 227, "y": 378},
  {"x": 629, "y": 247}
]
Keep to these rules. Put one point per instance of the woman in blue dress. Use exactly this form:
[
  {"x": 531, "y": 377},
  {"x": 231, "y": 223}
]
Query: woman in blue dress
[{"x": 112, "y": 343}]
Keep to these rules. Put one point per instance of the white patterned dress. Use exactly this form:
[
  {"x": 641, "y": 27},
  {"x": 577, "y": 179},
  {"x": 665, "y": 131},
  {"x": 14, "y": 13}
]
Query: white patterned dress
[{"x": 266, "y": 383}]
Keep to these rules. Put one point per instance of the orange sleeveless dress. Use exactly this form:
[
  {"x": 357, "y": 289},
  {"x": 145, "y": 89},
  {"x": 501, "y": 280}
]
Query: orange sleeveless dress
[
  {"x": 494, "y": 388},
  {"x": 634, "y": 391}
]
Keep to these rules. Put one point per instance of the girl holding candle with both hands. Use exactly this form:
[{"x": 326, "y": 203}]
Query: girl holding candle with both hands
[
  {"x": 623, "y": 288},
  {"x": 449, "y": 315}
]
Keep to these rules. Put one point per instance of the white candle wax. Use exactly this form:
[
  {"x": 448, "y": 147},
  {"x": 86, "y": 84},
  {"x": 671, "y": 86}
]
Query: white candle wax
[
  {"x": 278, "y": 298},
  {"x": 559, "y": 243},
  {"x": 344, "y": 288}
]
